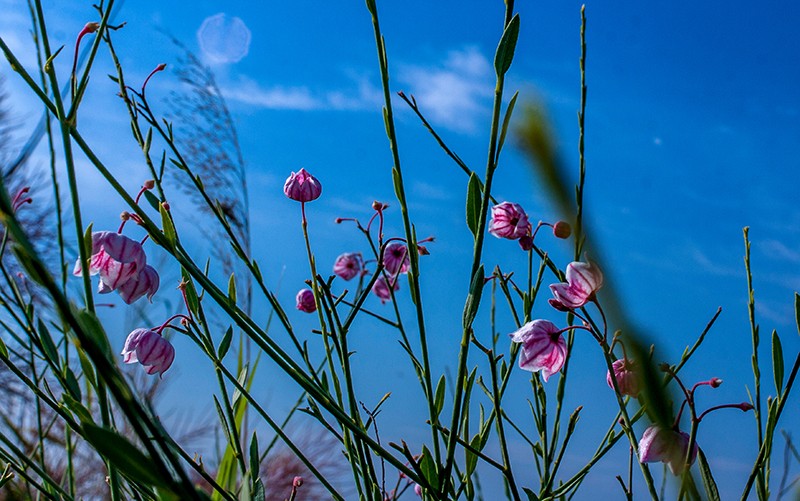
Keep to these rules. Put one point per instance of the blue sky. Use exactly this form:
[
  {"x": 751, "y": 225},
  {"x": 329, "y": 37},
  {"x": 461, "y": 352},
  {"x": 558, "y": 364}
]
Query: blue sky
[{"x": 691, "y": 135}]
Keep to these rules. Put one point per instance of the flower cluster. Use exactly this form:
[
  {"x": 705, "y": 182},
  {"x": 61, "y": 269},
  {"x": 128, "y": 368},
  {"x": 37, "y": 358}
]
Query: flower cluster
[{"x": 543, "y": 345}]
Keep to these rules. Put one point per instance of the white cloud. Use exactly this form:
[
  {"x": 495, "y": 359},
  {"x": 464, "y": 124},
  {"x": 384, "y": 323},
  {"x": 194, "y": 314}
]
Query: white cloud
[
  {"x": 278, "y": 97},
  {"x": 778, "y": 250},
  {"x": 455, "y": 93}
]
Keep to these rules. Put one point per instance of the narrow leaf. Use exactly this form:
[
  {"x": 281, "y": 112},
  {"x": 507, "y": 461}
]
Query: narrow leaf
[
  {"x": 474, "y": 199},
  {"x": 777, "y": 362},
  {"x": 169, "y": 228},
  {"x": 129, "y": 460},
  {"x": 712, "y": 493},
  {"x": 474, "y": 298},
  {"x": 225, "y": 344},
  {"x": 438, "y": 400},
  {"x": 505, "y": 49}
]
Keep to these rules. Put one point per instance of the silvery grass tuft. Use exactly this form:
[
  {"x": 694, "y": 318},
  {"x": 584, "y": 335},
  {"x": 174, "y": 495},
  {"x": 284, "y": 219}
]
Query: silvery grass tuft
[{"x": 79, "y": 407}]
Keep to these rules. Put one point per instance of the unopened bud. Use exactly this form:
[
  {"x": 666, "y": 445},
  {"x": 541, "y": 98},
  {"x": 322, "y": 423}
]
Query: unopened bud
[
  {"x": 379, "y": 206},
  {"x": 125, "y": 215},
  {"x": 297, "y": 481},
  {"x": 149, "y": 184},
  {"x": 339, "y": 220},
  {"x": 745, "y": 406},
  {"x": 161, "y": 67},
  {"x": 558, "y": 305},
  {"x": 423, "y": 251},
  {"x": 562, "y": 229},
  {"x": 165, "y": 205},
  {"x": 715, "y": 382},
  {"x": 91, "y": 27}
]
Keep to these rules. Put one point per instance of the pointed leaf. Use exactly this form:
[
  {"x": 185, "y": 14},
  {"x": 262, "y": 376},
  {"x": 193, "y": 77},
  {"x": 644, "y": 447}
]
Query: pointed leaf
[
  {"x": 777, "y": 362},
  {"x": 474, "y": 297},
  {"x": 225, "y": 344},
  {"x": 712, "y": 493},
  {"x": 129, "y": 460},
  {"x": 168, "y": 226},
  {"x": 438, "y": 400},
  {"x": 474, "y": 199},
  {"x": 505, "y": 49}
]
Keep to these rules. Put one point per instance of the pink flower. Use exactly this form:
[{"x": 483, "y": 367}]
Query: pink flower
[
  {"x": 625, "y": 372},
  {"x": 381, "y": 288},
  {"x": 347, "y": 265},
  {"x": 305, "y": 301},
  {"x": 302, "y": 186},
  {"x": 395, "y": 258},
  {"x": 418, "y": 490},
  {"x": 666, "y": 445},
  {"x": 509, "y": 221},
  {"x": 116, "y": 258},
  {"x": 150, "y": 349},
  {"x": 543, "y": 347},
  {"x": 583, "y": 280},
  {"x": 146, "y": 282}
]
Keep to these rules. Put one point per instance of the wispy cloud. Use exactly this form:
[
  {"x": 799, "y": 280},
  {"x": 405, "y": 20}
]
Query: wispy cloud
[
  {"x": 454, "y": 93},
  {"x": 778, "y": 250},
  {"x": 360, "y": 95}
]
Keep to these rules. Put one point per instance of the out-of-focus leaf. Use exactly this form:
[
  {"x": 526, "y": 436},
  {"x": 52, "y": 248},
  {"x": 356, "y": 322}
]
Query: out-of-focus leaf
[{"x": 129, "y": 460}]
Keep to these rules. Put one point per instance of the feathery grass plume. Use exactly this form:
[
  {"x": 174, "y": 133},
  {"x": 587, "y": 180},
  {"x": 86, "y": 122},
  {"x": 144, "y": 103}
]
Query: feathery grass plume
[{"x": 209, "y": 142}]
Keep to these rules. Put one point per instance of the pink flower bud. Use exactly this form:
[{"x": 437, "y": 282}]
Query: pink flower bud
[
  {"x": 305, "y": 301},
  {"x": 418, "y": 490},
  {"x": 625, "y": 372},
  {"x": 381, "y": 289},
  {"x": 297, "y": 481},
  {"x": 150, "y": 349},
  {"x": 562, "y": 229},
  {"x": 90, "y": 28},
  {"x": 543, "y": 347},
  {"x": 509, "y": 221},
  {"x": 667, "y": 446},
  {"x": 347, "y": 265},
  {"x": 715, "y": 382},
  {"x": 149, "y": 184},
  {"x": 116, "y": 258},
  {"x": 583, "y": 280},
  {"x": 302, "y": 186},
  {"x": 422, "y": 250},
  {"x": 395, "y": 258}
]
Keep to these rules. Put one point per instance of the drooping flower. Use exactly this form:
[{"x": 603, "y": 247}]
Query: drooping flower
[
  {"x": 509, "y": 221},
  {"x": 146, "y": 282},
  {"x": 116, "y": 258},
  {"x": 302, "y": 186},
  {"x": 667, "y": 446},
  {"x": 583, "y": 280},
  {"x": 626, "y": 374},
  {"x": 347, "y": 265},
  {"x": 418, "y": 490},
  {"x": 305, "y": 301},
  {"x": 381, "y": 288},
  {"x": 395, "y": 258},
  {"x": 150, "y": 349},
  {"x": 543, "y": 347}
]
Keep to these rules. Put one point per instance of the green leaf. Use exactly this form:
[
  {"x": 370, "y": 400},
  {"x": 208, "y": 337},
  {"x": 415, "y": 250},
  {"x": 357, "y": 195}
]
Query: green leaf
[
  {"x": 94, "y": 329},
  {"x": 474, "y": 298},
  {"x": 505, "y": 49},
  {"x": 428, "y": 468},
  {"x": 242, "y": 381},
  {"x": 398, "y": 183},
  {"x": 254, "y": 458},
  {"x": 438, "y": 401},
  {"x": 797, "y": 310},
  {"x": 225, "y": 344},
  {"x": 78, "y": 409},
  {"x": 232, "y": 289},
  {"x": 152, "y": 199},
  {"x": 48, "y": 346},
  {"x": 712, "y": 493},
  {"x": 169, "y": 227},
  {"x": 474, "y": 199},
  {"x": 531, "y": 495},
  {"x": 72, "y": 383},
  {"x": 777, "y": 362},
  {"x": 129, "y": 460},
  {"x": 191, "y": 292},
  {"x": 506, "y": 120},
  {"x": 3, "y": 349},
  {"x": 148, "y": 140}
]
